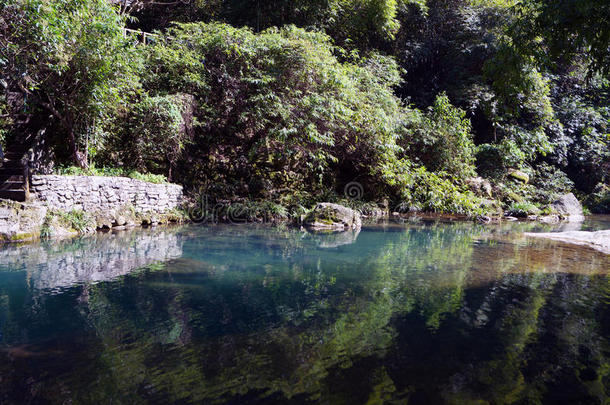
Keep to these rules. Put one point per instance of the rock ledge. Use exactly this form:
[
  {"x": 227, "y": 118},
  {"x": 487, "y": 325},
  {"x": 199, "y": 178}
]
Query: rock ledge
[{"x": 599, "y": 240}]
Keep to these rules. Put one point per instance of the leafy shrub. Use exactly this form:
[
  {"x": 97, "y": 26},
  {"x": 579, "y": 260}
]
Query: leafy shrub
[
  {"x": 520, "y": 109},
  {"x": 153, "y": 136},
  {"x": 92, "y": 170},
  {"x": 442, "y": 141},
  {"x": 277, "y": 110},
  {"x": 419, "y": 190},
  {"x": 549, "y": 183},
  {"x": 586, "y": 126},
  {"x": 77, "y": 220},
  {"x": 522, "y": 209},
  {"x": 493, "y": 160},
  {"x": 599, "y": 201},
  {"x": 245, "y": 211},
  {"x": 151, "y": 178},
  {"x": 69, "y": 63}
]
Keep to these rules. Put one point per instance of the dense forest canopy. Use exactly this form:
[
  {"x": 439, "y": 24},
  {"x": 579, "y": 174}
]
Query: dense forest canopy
[{"x": 289, "y": 101}]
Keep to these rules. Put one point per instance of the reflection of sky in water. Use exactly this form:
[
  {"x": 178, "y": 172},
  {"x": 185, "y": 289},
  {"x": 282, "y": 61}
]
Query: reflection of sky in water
[{"x": 418, "y": 311}]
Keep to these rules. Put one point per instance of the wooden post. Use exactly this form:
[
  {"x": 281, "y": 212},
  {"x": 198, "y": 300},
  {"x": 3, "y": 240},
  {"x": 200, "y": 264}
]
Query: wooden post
[{"x": 26, "y": 178}]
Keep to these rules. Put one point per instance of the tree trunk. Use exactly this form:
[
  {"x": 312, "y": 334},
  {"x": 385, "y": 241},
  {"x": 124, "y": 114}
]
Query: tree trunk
[{"x": 79, "y": 158}]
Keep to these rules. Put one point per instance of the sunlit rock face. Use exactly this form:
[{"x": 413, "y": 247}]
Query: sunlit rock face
[
  {"x": 103, "y": 257},
  {"x": 568, "y": 207},
  {"x": 20, "y": 221}
]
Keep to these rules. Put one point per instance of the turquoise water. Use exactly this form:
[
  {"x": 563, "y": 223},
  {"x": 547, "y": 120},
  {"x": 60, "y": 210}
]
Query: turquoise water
[{"x": 417, "y": 312}]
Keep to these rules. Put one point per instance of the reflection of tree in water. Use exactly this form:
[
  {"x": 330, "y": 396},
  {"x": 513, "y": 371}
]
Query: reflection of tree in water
[
  {"x": 530, "y": 329},
  {"x": 427, "y": 315}
]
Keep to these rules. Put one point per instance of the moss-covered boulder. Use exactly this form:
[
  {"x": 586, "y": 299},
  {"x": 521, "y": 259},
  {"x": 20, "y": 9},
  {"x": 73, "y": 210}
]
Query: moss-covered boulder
[
  {"x": 333, "y": 216},
  {"x": 519, "y": 176}
]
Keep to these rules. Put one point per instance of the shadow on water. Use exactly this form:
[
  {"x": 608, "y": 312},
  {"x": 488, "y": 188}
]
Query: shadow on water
[{"x": 417, "y": 312}]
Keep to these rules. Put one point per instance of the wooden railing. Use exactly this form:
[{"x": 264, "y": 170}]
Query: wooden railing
[
  {"x": 25, "y": 162},
  {"x": 143, "y": 37}
]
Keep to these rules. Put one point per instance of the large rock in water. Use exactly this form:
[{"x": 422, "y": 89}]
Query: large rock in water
[
  {"x": 568, "y": 207},
  {"x": 334, "y": 217},
  {"x": 599, "y": 240}
]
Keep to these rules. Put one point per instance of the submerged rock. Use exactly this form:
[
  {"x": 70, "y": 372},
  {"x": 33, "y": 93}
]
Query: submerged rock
[
  {"x": 599, "y": 240},
  {"x": 568, "y": 207},
  {"x": 333, "y": 216}
]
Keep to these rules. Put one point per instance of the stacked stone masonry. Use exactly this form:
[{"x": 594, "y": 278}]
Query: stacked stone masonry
[{"x": 95, "y": 193}]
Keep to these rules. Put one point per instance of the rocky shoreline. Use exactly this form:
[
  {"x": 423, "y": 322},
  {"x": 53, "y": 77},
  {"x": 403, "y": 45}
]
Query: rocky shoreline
[
  {"x": 66, "y": 206},
  {"x": 22, "y": 222},
  {"x": 26, "y": 222}
]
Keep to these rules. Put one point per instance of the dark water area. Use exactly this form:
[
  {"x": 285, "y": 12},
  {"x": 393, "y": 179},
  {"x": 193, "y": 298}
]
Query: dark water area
[{"x": 417, "y": 312}]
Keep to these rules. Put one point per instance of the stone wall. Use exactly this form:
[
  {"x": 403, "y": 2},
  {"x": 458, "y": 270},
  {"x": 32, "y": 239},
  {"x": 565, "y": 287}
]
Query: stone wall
[{"x": 95, "y": 193}]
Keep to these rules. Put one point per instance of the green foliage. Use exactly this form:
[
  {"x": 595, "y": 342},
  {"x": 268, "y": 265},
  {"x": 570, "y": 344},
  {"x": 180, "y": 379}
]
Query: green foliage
[
  {"x": 494, "y": 3},
  {"x": 154, "y": 134},
  {"x": 76, "y": 220},
  {"x": 520, "y": 110},
  {"x": 419, "y": 190},
  {"x": 278, "y": 109},
  {"x": 598, "y": 202},
  {"x": 295, "y": 113},
  {"x": 584, "y": 136},
  {"x": 45, "y": 230},
  {"x": 68, "y": 59},
  {"x": 256, "y": 211},
  {"x": 353, "y": 24},
  {"x": 493, "y": 160},
  {"x": 549, "y": 183},
  {"x": 92, "y": 170},
  {"x": 149, "y": 177},
  {"x": 551, "y": 30},
  {"x": 437, "y": 193},
  {"x": 522, "y": 209},
  {"x": 442, "y": 140},
  {"x": 363, "y": 23},
  {"x": 242, "y": 211}
]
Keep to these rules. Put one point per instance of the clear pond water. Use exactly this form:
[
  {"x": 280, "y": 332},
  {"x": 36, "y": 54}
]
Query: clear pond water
[{"x": 414, "y": 312}]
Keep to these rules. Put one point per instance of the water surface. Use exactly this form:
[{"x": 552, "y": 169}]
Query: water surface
[{"x": 417, "y": 312}]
